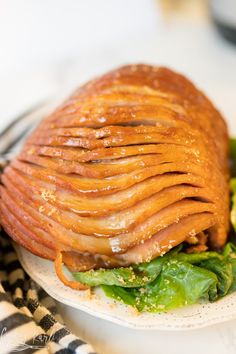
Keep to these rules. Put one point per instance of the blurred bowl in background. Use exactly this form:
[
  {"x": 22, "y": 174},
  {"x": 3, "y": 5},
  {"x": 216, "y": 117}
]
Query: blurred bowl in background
[{"x": 224, "y": 16}]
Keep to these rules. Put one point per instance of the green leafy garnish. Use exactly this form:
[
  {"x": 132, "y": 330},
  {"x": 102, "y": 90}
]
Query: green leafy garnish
[
  {"x": 169, "y": 282},
  {"x": 233, "y": 156},
  {"x": 233, "y": 208}
]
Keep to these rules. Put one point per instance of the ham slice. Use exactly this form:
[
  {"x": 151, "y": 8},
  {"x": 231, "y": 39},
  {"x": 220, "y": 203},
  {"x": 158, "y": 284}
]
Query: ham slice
[{"x": 131, "y": 165}]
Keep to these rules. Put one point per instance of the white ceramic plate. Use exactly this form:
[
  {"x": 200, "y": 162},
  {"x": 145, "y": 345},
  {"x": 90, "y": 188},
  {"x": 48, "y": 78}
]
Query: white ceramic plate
[{"x": 98, "y": 305}]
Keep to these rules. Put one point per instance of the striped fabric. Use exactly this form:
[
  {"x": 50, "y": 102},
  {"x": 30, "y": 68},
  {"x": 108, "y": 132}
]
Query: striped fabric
[{"x": 29, "y": 322}]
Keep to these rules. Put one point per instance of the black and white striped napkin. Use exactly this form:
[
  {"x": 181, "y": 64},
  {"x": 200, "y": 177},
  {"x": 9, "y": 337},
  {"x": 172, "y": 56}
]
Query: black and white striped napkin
[{"x": 29, "y": 322}]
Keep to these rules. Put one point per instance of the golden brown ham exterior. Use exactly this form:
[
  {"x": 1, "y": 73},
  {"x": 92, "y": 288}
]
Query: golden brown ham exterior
[{"x": 131, "y": 165}]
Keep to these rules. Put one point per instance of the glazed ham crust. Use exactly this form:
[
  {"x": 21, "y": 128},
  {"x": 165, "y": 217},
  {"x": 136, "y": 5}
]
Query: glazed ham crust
[{"x": 131, "y": 165}]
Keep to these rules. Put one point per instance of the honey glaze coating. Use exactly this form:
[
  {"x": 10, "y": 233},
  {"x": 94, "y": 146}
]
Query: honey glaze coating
[{"x": 131, "y": 165}]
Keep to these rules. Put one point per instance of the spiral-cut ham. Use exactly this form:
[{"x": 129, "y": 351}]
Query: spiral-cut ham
[{"x": 131, "y": 165}]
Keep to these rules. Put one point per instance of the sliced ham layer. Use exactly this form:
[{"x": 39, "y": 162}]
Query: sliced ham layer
[{"x": 131, "y": 165}]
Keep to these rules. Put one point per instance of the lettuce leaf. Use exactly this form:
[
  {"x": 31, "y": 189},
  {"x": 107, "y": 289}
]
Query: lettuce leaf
[
  {"x": 230, "y": 253},
  {"x": 233, "y": 208},
  {"x": 129, "y": 277},
  {"x": 233, "y": 156},
  {"x": 169, "y": 282},
  {"x": 178, "y": 284}
]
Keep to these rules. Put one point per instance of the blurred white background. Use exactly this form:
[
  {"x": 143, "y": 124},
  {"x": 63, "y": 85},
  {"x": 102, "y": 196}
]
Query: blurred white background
[{"x": 48, "y": 47}]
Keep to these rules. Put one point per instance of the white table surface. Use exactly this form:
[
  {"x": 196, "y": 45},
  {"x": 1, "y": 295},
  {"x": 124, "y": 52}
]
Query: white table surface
[{"x": 35, "y": 67}]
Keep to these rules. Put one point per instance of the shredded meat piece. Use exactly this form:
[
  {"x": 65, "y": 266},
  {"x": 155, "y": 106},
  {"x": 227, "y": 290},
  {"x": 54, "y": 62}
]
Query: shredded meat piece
[
  {"x": 197, "y": 249},
  {"x": 198, "y": 243}
]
